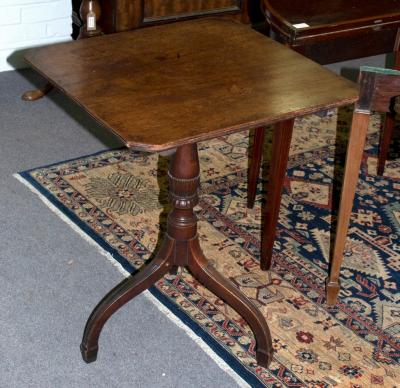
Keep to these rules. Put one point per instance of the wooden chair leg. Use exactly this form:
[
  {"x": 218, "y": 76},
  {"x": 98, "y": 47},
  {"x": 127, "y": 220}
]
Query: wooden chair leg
[
  {"x": 384, "y": 143},
  {"x": 254, "y": 166},
  {"x": 277, "y": 171},
  {"x": 396, "y": 50},
  {"x": 355, "y": 150},
  {"x": 387, "y": 132}
]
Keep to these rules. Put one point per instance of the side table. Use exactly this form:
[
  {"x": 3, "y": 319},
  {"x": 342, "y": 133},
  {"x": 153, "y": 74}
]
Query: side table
[{"x": 170, "y": 87}]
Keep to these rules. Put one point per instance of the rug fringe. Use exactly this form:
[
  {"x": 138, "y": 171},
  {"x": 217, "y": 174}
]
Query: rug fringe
[{"x": 169, "y": 314}]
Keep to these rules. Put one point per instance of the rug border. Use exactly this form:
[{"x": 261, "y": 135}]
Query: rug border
[{"x": 218, "y": 349}]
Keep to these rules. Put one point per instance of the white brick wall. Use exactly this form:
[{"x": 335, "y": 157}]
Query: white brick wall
[{"x": 29, "y": 23}]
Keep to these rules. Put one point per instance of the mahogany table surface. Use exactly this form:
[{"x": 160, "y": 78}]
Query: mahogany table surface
[{"x": 161, "y": 87}]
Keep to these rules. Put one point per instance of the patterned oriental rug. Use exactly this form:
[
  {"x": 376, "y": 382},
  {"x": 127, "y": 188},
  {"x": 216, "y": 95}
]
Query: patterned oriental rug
[{"x": 119, "y": 198}]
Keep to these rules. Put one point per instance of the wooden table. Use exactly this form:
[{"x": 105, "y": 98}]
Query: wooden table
[{"x": 169, "y": 87}]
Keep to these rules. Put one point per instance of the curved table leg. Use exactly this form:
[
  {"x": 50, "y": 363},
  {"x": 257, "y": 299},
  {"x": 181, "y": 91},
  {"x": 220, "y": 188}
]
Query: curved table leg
[
  {"x": 118, "y": 297},
  {"x": 33, "y": 95},
  {"x": 224, "y": 289}
]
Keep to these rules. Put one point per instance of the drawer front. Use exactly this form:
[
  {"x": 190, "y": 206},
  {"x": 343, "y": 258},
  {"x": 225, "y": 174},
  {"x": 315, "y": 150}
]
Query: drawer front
[
  {"x": 362, "y": 43},
  {"x": 163, "y": 10}
]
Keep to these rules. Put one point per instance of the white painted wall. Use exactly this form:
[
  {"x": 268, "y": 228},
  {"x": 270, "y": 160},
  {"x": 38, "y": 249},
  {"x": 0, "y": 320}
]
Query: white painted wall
[{"x": 29, "y": 23}]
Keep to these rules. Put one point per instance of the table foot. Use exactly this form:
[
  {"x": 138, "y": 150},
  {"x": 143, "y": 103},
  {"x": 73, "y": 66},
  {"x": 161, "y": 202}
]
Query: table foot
[
  {"x": 264, "y": 358},
  {"x": 33, "y": 95},
  {"x": 89, "y": 355},
  {"x": 118, "y": 297}
]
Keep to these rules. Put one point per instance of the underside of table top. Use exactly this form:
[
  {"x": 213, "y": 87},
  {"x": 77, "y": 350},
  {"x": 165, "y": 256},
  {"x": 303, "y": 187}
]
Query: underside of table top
[{"x": 161, "y": 87}]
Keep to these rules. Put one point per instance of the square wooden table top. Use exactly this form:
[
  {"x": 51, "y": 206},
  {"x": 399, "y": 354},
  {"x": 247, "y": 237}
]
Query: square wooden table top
[{"x": 161, "y": 87}]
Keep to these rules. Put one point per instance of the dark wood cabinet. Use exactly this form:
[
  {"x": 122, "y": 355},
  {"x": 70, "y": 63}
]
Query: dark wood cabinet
[{"x": 123, "y": 15}]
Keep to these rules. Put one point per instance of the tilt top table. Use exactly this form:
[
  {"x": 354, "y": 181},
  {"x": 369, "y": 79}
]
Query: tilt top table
[{"x": 170, "y": 87}]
